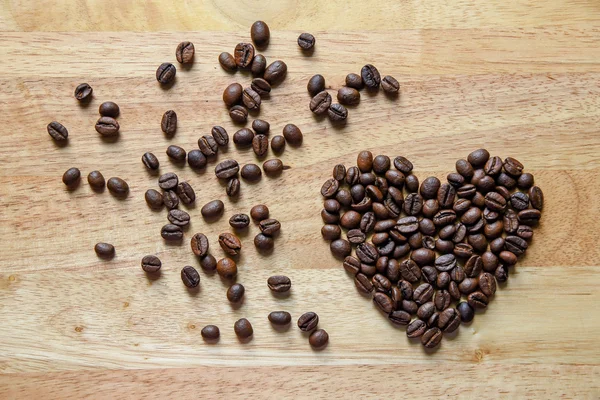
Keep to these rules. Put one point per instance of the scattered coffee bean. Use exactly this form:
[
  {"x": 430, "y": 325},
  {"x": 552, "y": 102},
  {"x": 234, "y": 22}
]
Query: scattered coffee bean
[
  {"x": 96, "y": 180},
  {"x": 260, "y": 145},
  {"x": 235, "y": 293},
  {"x": 83, "y": 92},
  {"x": 251, "y": 172},
  {"x": 431, "y": 338},
  {"x": 315, "y": 84},
  {"x": 227, "y": 268},
  {"x": 171, "y": 232},
  {"x": 117, "y": 186},
  {"x": 208, "y": 146},
  {"x": 259, "y": 212},
  {"x": 208, "y": 263},
  {"x": 306, "y": 41},
  {"x": 261, "y": 127},
  {"x": 370, "y": 76},
  {"x": 150, "y": 161},
  {"x": 232, "y": 95},
  {"x": 348, "y": 95},
  {"x": 262, "y": 89},
  {"x": 212, "y": 209},
  {"x": 186, "y": 193},
  {"x": 318, "y": 338},
  {"x": 337, "y": 112},
  {"x": 239, "y": 221},
  {"x": 210, "y": 332},
  {"x": 109, "y": 109},
  {"x": 104, "y": 250},
  {"x": 176, "y": 153},
  {"x": 190, "y": 277},
  {"x": 280, "y": 317},
  {"x": 185, "y": 52},
  {"x": 340, "y": 248},
  {"x": 251, "y": 98},
  {"x": 264, "y": 242},
  {"x": 308, "y": 321},
  {"x": 71, "y": 177},
  {"x": 233, "y": 187},
  {"x": 168, "y": 124},
  {"x": 57, "y": 131},
  {"x": 168, "y": 181},
  {"x": 199, "y": 244},
  {"x": 292, "y": 135},
  {"x": 170, "y": 199},
  {"x": 320, "y": 103},
  {"x": 243, "y": 137},
  {"x": 230, "y": 244},
  {"x": 390, "y": 84},
  {"x": 151, "y": 264},
  {"x": 269, "y": 226},
  {"x": 227, "y": 62},
  {"x": 107, "y": 126},
  {"x": 354, "y": 81},
  {"x": 273, "y": 167},
  {"x": 178, "y": 217},
  {"x": 165, "y": 73},
  {"x": 227, "y": 169},
  {"x": 275, "y": 72},
  {"x": 243, "y": 328},
  {"x": 279, "y": 283},
  {"x": 258, "y": 66}
]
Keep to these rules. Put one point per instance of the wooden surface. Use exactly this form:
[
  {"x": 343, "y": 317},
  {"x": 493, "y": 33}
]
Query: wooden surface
[{"x": 520, "y": 78}]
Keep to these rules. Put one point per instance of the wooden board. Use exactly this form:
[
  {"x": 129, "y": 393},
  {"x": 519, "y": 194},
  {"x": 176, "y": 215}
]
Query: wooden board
[{"x": 520, "y": 79}]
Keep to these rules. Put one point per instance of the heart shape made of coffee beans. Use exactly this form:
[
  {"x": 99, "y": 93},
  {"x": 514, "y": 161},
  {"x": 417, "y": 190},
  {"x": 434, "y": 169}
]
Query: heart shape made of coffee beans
[{"x": 433, "y": 251}]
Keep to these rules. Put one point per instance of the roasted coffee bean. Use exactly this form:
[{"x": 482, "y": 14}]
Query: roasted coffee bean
[
  {"x": 261, "y": 87},
  {"x": 227, "y": 62},
  {"x": 339, "y": 172},
  {"x": 308, "y": 321},
  {"x": 468, "y": 285},
  {"x": 458, "y": 274},
  {"x": 487, "y": 284},
  {"x": 351, "y": 264},
  {"x": 208, "y": 263},
  {"x": 463, "y": 250},
  {"x": 83, "y": 92},
  {"x": 383, "y": 302},
  {"x": 165, "y": 73},
  {"x": 471, "y": 216},
  {"x": 445, "y": 195},
  {"x": 251, "y": 99},
  {"x": 269, "y": 226},
  {"x": 243, "y": 54},
  {"x": 352, "y": 176},
  {"x": 320, "y": 103},
  {"x": 260, "y": 33},
  {"x": 170, "y": 199},
  {"x": 399, "y": 317},
  {"x": 477, "y": 300},
  {"x": 386, "y": 248},
  {"x": 330, "y": 188},
  {"x": 495, "y": 202},
  {"x": 506, "y": 180},
  {"x": 227, "y": 169},
  {"x": 171, "y": 232},
  {"x": 337, "y": 112},
  {"x": 275, "y": 72},
  {"x": 529, "y": 217},
  {"x": 444, "y": 217},
  {"x": 354, "y": 81},
  {"x": 263, "y": 242},
  {"x": 104, "y": 250},
  {"x": 96, "y": 180},
  {"x": 330, "y": 218},
  {"x": 363, "y": 283},
  {"x": 515, "y": 245},
  {"x": 185, "y": 52},
  {"x": 428, "y": 242},
  {"x": 168, "y": 181},
  {"x": 426, "y": 310},
  {"x": 473, "y": 266},
  {"x": 407, "y": 225},
  {"x": 344, "y": 197},
  {"x": 370, "y": 76},
  {"x": 413, "y": 204},
  {"x": 176, "y": 153},
  {"x": 507, "y": 257},
  {"x": 212, "y": 209},
  {"x": 349, "y": 96},
  {"x": 235, "y": 293},
  {"x": 199, "y": 244},
  {"x": 107, "y": 126},
  {"x": 367, "y": 253},
  {"x": 350, "y": 219},
  {"x": 423, "y": 293},
  {"x": 447, "y": 232},
  {"x": 378, "y": 238},
  {"x": 443, "y": 280},
  {"x": 478, "y": 158},
  {"x": 374, "y": 193},
  {"x": 466, "y": 191},
  {"x": 364, "y": 161},
  {"x": 273, "y": 167},
  {"x": 512, "y": 167},
  {"x": 525, "y": 181},
  {"x": 280, "y": 317},
  {"x": 444, "y": 246},
  {"x": 390, "y": 84},
  {"x": 178, "y": 217},
  {"x": 71, "y": 177},
  {"x": 331, "y": 232},
  {"x": 490, "y": 261},
  {"x": 454, "y": 291},
  {"x": 519, "y": 201},
  {"x": 117, "y": 186},
  {"x": 220, "y": 135},
  {"x": 429, "y": 187},
  {"x": 210, "y": 332},
  {"x": 410, "y": 271},
  {"x": 238, "y": 114},
  {"x": 316, "y": 84},
  {"x": 186, "y": 193},
  {"x": 151, "y": 264},
  {"x": 445, "y": 263},
  {"x": 230, "y": 243},
  {"x": 279, "y": 283},
  {"x": 381, "y": 283},
  {"x": 536, "y": 197},
  {"x": 501, "y": 273},
  {"x": 232, "y": 94},
  {"x": 449, "y": 320},
  {"x": 278, "y": 144},
  {"x": 150, "y": 161},
  {"x": 416, "y": 328},
  {"x": 233, "y": 187},
  {"x": 190, "y": 277},
  {"x": 464, "y": 168},
  {"x": 430, "y": 208},
  {"x": 460, "y": 233},
  {"x": 367, "y": 222},
  {"x": 306, "y": 41},
  {"x": 367, "y": 178},
  {"x": 239, "y": 221},
  {"x": 455, "y": 179},
  {"x": 259, "y": 212},
  {"x": 292, "y": 134},
  {"x": 465, "y": 311},
  {"x": 356, "y": 236},
  {"x": 251, "y": 172},
  {"x": 429, "y": 274},
  {"x": 208, "y": 146},
  {"x": 227, "y": 268},
  {"x": 340, "y": 248},
  {"x": 196, "y": 159},
  {"x": 109, "y": 109},
  {"x": 381, "y": 165},
  {"x": 243, "y": 329},
  {"x": 493, "y": 166},
  {"x": 524, "y": 232},
  {"x": 395, "y": 178},
  {"x": 510, "y": 222},
  {"x": 57, "y": 131}
]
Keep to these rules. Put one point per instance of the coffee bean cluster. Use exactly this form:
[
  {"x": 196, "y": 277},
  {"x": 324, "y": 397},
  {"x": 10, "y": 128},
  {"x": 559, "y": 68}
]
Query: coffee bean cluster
[
  {"x": 322, "y": 103},
  {"x": 419, "y": 249},
  {"x": 184, "y": 53}
]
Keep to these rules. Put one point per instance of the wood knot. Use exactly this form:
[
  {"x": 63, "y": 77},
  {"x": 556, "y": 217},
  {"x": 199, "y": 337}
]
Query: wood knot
[{"x": 78, "y": 329}]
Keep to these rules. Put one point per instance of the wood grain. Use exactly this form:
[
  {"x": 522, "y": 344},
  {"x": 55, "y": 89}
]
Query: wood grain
[{"x": 520, "y": 79}]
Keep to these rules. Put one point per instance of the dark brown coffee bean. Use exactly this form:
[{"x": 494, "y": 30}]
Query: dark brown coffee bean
[
  {"x": 449, "y": 320},
  {"x": 178, "y": 217},
  {"x": 464, "y": 168},
  {"x": 308, "y": 321},
  {"x": 251, "y": 99},
  {"x": 235, "y": 293},
  {"x": 381, "y": 283},
  {"x": 403, "y": 165},
  {"x": 536, "y": 196},
  {"x": 239, "y": 221},
  {"x": 468, "y": 285},
  {"x": 251, "y": 172},
  {"x": 529, "y": 217},
  {"x": 512, "y": 167},
  {"x": 525, "y": 181},
  {"x": 278, "y": 144},
  {"x": 340, "y": 248},
  {"x": 364, "y": 161},
  {"x": 423, "y": 293},
  {"x": 220, "y": 135},
  {"x": 337, "y": 112},
  {"x": 445, "y": 195},
  {"x": 519, "y": 201},
  {"x": 212, "y": 209},
  {"x": 316, "y": 84},
  {"x": 506, "y": 180},
  {"x": 190, "y": 277},
  {"x": 478, "y": 158},
  {"x": 269, "y": 226},
  {"x": 280, "y": 317},
  {"x": 330, "y": 188},
  {"x": 399, "y": 317},
  {"x": 465, "y": 311},
  {"x": 151, "y": 264},
  {"x": 390, "y": 84},
  {"x": 230, "y": 243},
  {"x": 426, "y": 310},
  {"x": 275, "y": 72},
  {"x": 260, "y": 33},
  {"x": 510, "y": 222},
  {"x": 227, "y": 268},
  {"x": 150, "y": 161},
  {"x": 367, "y": 178},
  {"x": 199, "y": 244},
  {"x": 117, "y": 186},
  {"x": 96, "y": 180},
  {"x": 525, "y": 232},
  {"x": 83, "y": 92},
  {"x": 367, "y": 253},
  {"x": 477, "y": 300},
  {"x": 107, "y": 126},
  {"x": 416, "y": 328},
  {"x": 165, "y": 73},
  {"x": 455, "y": 179},
  {"x": 171, "y": 232},
  {"x": 57, "y": 131},
  {"x": 430, "y": 187},
  {"x": 501, "y": 273},
  {"x": 260, "y": 145},
  {"x": 210, "y": 332},
  {"x": 71, "y": 177},
  {"x": 410, "y": 271},
  {"x": 263, "y": 242},
  {"x": 185, "y": 52},
  {"x": 429, "y": 274},
  {"x": 515, "y": 245},
  {"x": 196, "y": 159},
  {"x": 186, "y": 193},
  {"x": 306, "y": 41},
  {"x": 243, "y": 54},
  {"x": 227, "y": 62},
  {"x": 383, "y": 302},
  {"x": 170, "y": 199},
  {"x": 239, "y": 115},
  {"x": 354, "y": 81},
  {"x": 487, "y": 284},
  {"x": 454, "y": 291},
  {"x": 227, "y": 169},
  {"x": 104, "y": 250},
  {"x": 363, "y": 283},
  {"x": 473, "y": 266},
  {"x": 413, "y": 204},
  {"x": 352, "y": 265},
  {"x": 109, "y": 109},
  {"x": 233, "y": 187},
  {"x": 243, "y": 329},
  {"x": 208, "y": 146},
  {"x": 370, "y": 76},
  {"x": 279, "y": 283},
  {"x": 330, "y": 218},
  {"x": 508, "y": 257},
  {"x": 259, "y": 212},
  {"x": 176, "y": 153},
  {"x": 168, "y": 181},
  {"x": 273, "y": 167},
  {"x": 292, "y": 134},
  {"x": 331, "y": 232},
  {"x": 232, "y": 95},
  {"x": 356, "y": 236},
  {"x": 208, "y": 263},
  {"x": 348, "y": 95}
]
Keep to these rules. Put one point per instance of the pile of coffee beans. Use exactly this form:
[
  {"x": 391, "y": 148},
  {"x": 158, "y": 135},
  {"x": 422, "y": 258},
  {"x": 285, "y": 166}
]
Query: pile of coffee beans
[
  {"x": 349, "y": 95},
  {"x": 421, "y": 249}
]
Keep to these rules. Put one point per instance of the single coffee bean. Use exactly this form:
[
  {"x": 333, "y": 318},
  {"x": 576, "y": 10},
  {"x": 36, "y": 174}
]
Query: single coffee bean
[
  {"x": 96, "y": 180},
  {"x": 506, "y": 180},
  {"x": 507, "y": 257},
  {"x": 477, "y": 300},
  {"x": 449, "y": 320},
  {"x": 473, "y": 266},
  {"x": 185, "y": 52},
  {"x": 410, "y": 306},
  {"x": 339, "y": 172},
  {"x": 107, "y": 126},
  {"x": 227, "y": 268},
  {"x": 351, "y": 265},
  {"x": 199, "y": 244},
  {"x": 251, "y": 99},
  {"x": 337, "y": 112},
  {"x": 410, "y": 271},
  {"x": 487, "y": 284},
  {"x": 233, "y": 187},
  {"x": 150, "y": 161},
  {"x": 515, "y": 245},
  {"x": 318, "y": 338},
  {"x": 429, "y": 274},
  {"x": 501, "y": 273},
  {"x": 280, "y": 317},
  {"x": 151, "y": 264},
  {"x": 416, "y": 328},
  {"x": 171, "y": 232},
  {"x": 168, "y": 181},
  {"x": 519, "y": 201},
  {"x": 413, "y": 204},
  {"x": 243, "y": 53},
  {"x": 239, "y": 221},
  {"x": 227, "y": 62},
  {"x": 238, "y": 114},
  {"x": 352, "y": 176},
  {"x": 117, "y": 186},
  {"x": 258, "y": 66},
  {"x": 262, "y": 88},
  {"x": 212, "y": 209},
  {"x": 220, "y": 135},
  {"x": 412, "y": 183},
  {"x": 251, "y": 172},
  {"x": 354, "y": 81},
  {"x": 308, "y": 321},
  {"x": 186, "y": 193},
  {"x": 196, "y": 159},
  {"x": 320, "y": 103},
  {"x": 232, "y": 94},
  {"x": 275, "y": 72},
  {"x": 529, "y": 217},
  {"x": 208, "y": 145},
  {"x": 536, "y": 197},
  {"x": 109, "y": 109},
  {"x": 340, "y": 248},
  {"x": 455, "y": 179},
  {"x": 390, "y": 84},
  {"x": 348, "y": 95},
  {"x": 190, "y": 277},
  {"x": 170, "y": 199},
  {"x": 468, "y": 285},
  {"x": 513, "y": 167},
  {"x": 490, "y": 261},
  {"x": 525, "y": 232},
  {"x": 381, "y": 283},
  {"x": 383, "y": 302},
  {"x": 176, "y": 153},
  {"x": 525, "y": 181},
  {"x": 367, "y": 178},
  {"x": 243, "y": 329},
  {"x": 292, "y": 135},
  {"x": 423, "y": 293},
  {"x": 478, "y": 158},
  {"x": 465, "y": 311},
  {"x": 260, "y": 33},
  {"x": 57, "y": 131},
  {"x": 261, "y": 127},
  {"x": 230, "y": 244},
  {"x": 430, "y": 187},
  {"x": 355, "y": 236},
  {"x": 273, "y": 167},
  {"x": 269, "y": 226},
  {"x": 370, "y": 76},
  {"x": 227, "y": 169},
  {"x": 330, "y": 188},
  {"x": 344, "y": 197},
  {"x": 210, "y": 332},
  {"x": 464, "y": 168},
  {"x": 243, "y": 137},
  {"x": 426, "y": 310},
  {"x": 83, "y": 92},
  {"x": 364, "y": 161},
  {"x": 235, "y": 293},
  {"x": 399, "y": 317},
  {"x": 178, "y": 217},
  {"x": 306, "y": 41},
  {"x": 403, "y": 165},
  {"x": 165, "y": 73},
  {"x": 260, "y": 145},
  {"x": 71, "y": 177},
  {"x": 263, "y": 242},
  {"x": 279, "y": 283},
  {"x": 104, "y": 250},
  {"x": 259, "y": 212},
  {"x": 316, "y": 84}
]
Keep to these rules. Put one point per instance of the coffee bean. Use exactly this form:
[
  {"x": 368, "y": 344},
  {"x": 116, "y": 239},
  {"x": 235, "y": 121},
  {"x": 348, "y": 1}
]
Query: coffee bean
[
  {"x": 151, "y": 264},
  {"x": 473, "y": 266},
  {"x": 344, "y": 197},
  {"x": 273, "y": 167},
  {"x": 308, "y": 321},
  {"x": 258, "y": 66},
  {"x": 262, "y": 88},
  {"x": 370, "y": 76},
  {"x": 170, "y": 199},
  {"x": 525, "y": 232},
  {"x": 507, "y": 257},
  {"x": 168, "y": 181},
  {"x": 280, "y": 317},
  {"x": 355, "y": 236},
  {"x": 464, "y": 168},
  {"x": 519, "y": 200},
  {"x": 251, "y": 172},
  {"x": 227, "y": 169},
  {"x": 306, "y": 41},
  {"x": 413, "y": 204},
  {"x": 212, "y": 209},
  {"x": 487, "y": 284},
  {"x": 171, "y": 232},
  {"x": 465, "y": 311},
  {"x": 150, "y": 161},
  {"x": 239, "y": 221},
  {"x": 330, "y": 188},
  {"x": 339, "y": 172},
  {"x": 243, "y": 137},
  {"x": 383, "y": 302},
  {"x": 83, "y": 92},
  {"x": 292, "y": 135},
  {"x": 107, "y": 126},
  {"x": 176, "y": 153},
  {"x": 243, "y": 53},
  {"x": 57, "y": 131},
  {"x": 269, "y": 226},
  {"x": 279, "y": 283},
  {"x": 259, "y": 212},
  {"x": 449, "y": 320},
  {"x": 109, "y": 109},
  {"x": 96, "y": 180},
  {"x": 185, "y": 52},
  {"x": 210, "y": 332},
  {"x": 536, "y": 197},
  {"x": 275, "y": 72},
  {"x": 340, "y": 248},
  {"x": 525, "y": 181},
  {"x": 412, "y": 183},
  {"x": 512, "y": 167},
  {"x": 426, "y": 310},
  {"x": 416, "y": 328},
  {"x": 220, "y": 135},
  {"x": 227, "y": 62},
  {"x": 199, "y": 244},
  {"x": 477, "y": 300},
  {"x": 410, "y": 306},
  {"x": 455, "y": 179},
  {"x": 196, "y": 159},
  {"x": 178, "y": 217},
  {"x": 431, "y": 338},
  {"x": 260, "y": 145},
  {"x": 235, "y": 293},
  {"x": 227, "y": 268},
  {"x": 515, "y": 245},
  {"x": 410, "y": 271},
  {"x": 423, "y": 293},
  {"x": 501, "y": 273},
  {"x": 348, "y": 95},
  {"x": 186, "y": 193},
  {"x": 315, "y": 85},
  {"x": 104, "y": 250},
  {"x": 263, "y": 242},
  {"x": 208, "y": 263},
  {"x": 354, "y": 81},
  {"x": 232, "y": 94},
  {"x": 71, "y": 177},
  {"x": 190, "y": 277},
  {"x": 320, "y": 103},
  {"x": 238, "y": 114},
  {"x": 352, "y": 265},
  {"x": 330, "y": 218},
  {"x": 260, "y": 33},
  {"x": 230, "y": 244},
  {"x": 208, "y": 145},
  {"x": 529, "y": 217},
  {"x": 430, "y": 187},
  {"x": 243, "y": 329},
  {"x": 165, "y": 73},
  {"x": 233, "y": 187},
  {"x": 337, "y": 112},
  {"x": 364, "y": 161},
  {"x": 399, "y": 317},
  {"x": 251, "y": 99},
  {"x": 117, "y": 186},
  {"x": 390, "y": 84},
  {"x": 318, "y": 338}
]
